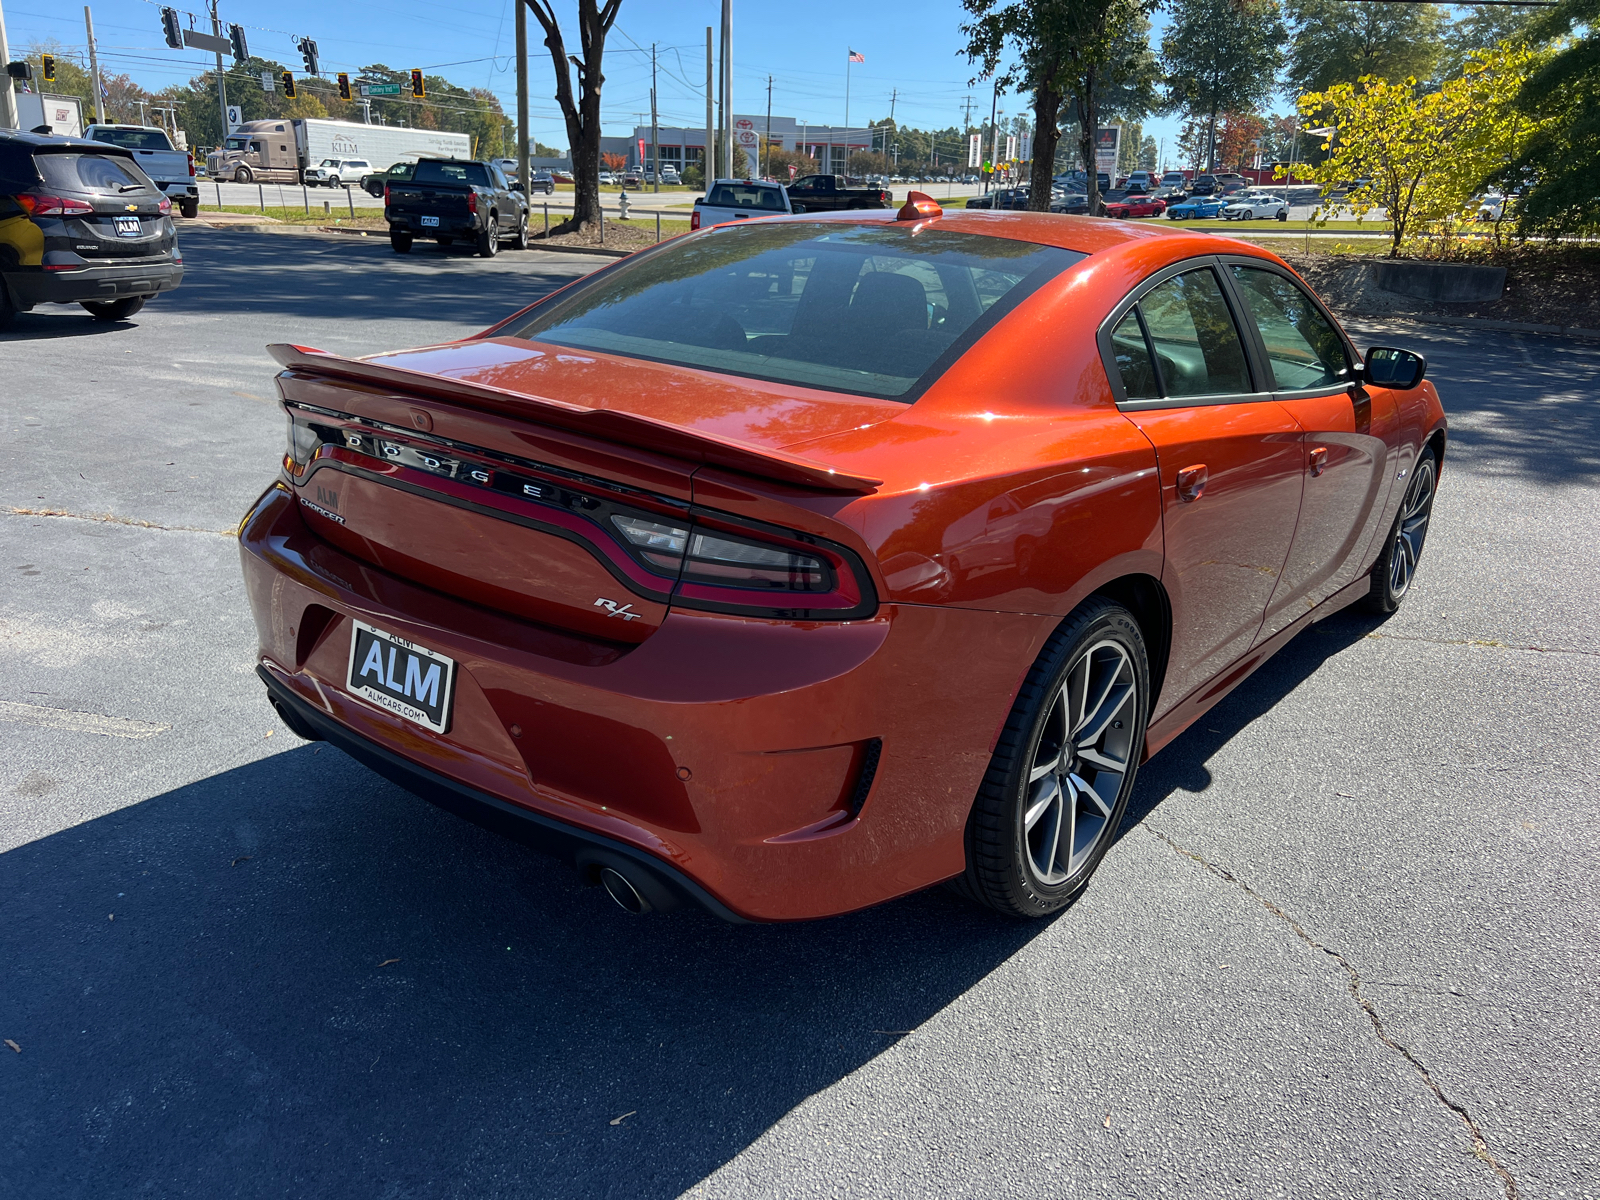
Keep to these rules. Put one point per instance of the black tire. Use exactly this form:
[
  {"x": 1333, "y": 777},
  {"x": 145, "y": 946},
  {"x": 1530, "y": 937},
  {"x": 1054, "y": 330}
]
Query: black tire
[
  {"x": 114, "y": 310},
  {"x": 7, "y": 309},
  {"x": 244, "y": 175},
  {"x": 189, "y": 207},
  {"x": 1396, "y": 567},
  {"x": 489, "y": 239},
  {"x": 519, "y": 240},
  {"x": 400, "y": 242},
  {"x": 1284, "y": 215},
  {"x": 1099, "y": 649}
]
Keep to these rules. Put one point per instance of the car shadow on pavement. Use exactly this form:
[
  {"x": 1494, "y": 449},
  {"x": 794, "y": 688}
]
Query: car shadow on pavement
[
  {"x": 1181, "y": 765},
  {"x": 54, "y": 321},
  {"x": 294, "y": 978}
]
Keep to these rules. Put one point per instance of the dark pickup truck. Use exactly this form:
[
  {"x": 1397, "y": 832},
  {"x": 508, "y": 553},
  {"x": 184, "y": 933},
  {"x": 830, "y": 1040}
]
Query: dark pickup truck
[
  {"x": 830, "y": 193},
  {"x": 448, "y": 199}
]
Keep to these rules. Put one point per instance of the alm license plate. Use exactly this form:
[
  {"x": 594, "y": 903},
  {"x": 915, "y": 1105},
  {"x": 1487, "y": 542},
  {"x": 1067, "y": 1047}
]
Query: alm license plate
[
  {"x": 128, "y": 227},
  {"x": 407, "y": 679},
  {"x": 430, "y": 220}
]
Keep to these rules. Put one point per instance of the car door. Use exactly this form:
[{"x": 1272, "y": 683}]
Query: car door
[
  {"x": 1347, "y": 429},
  {"x": 1229, "y": 457}
]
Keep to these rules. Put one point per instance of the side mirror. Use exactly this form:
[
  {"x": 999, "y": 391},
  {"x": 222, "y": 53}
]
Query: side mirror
[
  {"x": 515, "y": 185},
  {"x": 1390, "y": 368},
  {"x": 797, "y": 208}
]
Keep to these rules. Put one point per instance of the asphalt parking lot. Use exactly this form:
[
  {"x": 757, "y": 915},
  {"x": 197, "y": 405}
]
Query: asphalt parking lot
[{"x": 1344, "y": 947}]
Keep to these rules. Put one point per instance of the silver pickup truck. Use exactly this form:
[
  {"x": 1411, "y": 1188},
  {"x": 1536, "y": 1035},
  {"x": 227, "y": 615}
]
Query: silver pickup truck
[
  {"x": 739, "y": 200},
  {"x": 171, "y": 170}
]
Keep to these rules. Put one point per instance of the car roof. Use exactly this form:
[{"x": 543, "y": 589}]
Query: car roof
[{"x": 50, "y": 141}]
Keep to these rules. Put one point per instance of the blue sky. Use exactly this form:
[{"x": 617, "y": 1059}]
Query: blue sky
[{"x": 910, "y": 50}]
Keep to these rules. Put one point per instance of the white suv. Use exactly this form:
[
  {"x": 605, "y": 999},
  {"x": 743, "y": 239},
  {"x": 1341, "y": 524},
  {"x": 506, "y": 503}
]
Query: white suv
[{"x": 334, "y": 172}]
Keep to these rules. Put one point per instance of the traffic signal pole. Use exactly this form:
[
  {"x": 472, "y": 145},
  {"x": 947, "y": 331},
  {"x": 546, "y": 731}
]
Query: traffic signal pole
[
  {"x": 94, "y": 67},
  {"x": 523, "y": 173},
  {"x": 8, "y": 98},
  {"x": 222, "y": 87}
]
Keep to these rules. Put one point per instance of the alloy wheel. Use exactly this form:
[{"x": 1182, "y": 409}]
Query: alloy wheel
[
  {"x": 1412, "y": 529},
  {"x": 1083, "y": 756}
]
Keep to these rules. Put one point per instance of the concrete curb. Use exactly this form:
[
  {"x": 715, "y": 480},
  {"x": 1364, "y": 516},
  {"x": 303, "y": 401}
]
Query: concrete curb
[
  {"x": 328, "y": 233},
  {"x": 1574, "y": 331}
]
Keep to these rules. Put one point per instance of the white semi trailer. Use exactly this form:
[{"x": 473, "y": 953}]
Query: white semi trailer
[{"x": 279, "y": 151}]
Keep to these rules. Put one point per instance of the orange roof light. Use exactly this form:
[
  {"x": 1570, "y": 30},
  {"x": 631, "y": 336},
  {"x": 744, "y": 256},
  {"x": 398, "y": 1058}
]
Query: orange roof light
[{"x": 919, "y": 206}]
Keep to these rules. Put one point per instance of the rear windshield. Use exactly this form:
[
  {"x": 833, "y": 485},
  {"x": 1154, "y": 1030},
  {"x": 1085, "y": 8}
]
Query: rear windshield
[
  {"x": 134, "y": 139},
  {"x": 459, "y": 174},
  {"x": 101, "y": 173},
  {"x": 738, "y": 195},
  {"x": 868, "y": 309}
]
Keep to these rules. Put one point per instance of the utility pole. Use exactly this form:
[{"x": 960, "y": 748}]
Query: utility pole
[
  {"x": 727, "y": 86},
  {"x": 894, "y": 95},
  {"x": 655, "y": 131},
  {"x": 766, "y": 148},
  {"x": 94, "y": 71},
  {"x": 523, "y": 176},
  {"x": 222, "y": 88},
  {"x": 966, "y": 115},
  {"x": 8, "y": 97},
  {"x": 708, "y": 161}
]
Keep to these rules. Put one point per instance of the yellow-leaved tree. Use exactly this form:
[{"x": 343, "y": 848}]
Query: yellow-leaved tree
[{"x": 1421, "y": 156}]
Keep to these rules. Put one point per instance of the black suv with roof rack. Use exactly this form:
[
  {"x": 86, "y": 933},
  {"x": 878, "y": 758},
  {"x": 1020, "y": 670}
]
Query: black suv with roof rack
[{"x": 80, "y": 223}]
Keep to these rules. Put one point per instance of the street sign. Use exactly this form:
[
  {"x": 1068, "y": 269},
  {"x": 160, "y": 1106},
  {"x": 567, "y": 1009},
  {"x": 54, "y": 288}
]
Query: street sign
[
  {"x": 235, "y": 117},
  {"x": 269, "y": 82},
  {"x": 381, "y": 89},
  {"x": 196, "y": 40}
]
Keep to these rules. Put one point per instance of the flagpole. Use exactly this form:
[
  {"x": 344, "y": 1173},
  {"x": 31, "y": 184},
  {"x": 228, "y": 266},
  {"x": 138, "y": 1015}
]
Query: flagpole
[{"x": 847, "y": 61}]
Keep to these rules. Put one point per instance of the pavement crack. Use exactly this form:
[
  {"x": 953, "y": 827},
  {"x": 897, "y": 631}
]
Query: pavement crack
[
  {"x": 112, "y": 519},
  {"x": 1480, "y": 1144},
  {"x": 1494, "y": 643}
]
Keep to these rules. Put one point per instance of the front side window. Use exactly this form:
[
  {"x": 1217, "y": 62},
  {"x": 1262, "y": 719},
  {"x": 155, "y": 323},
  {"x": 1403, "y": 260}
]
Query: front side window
[
  {"x": 874, "y": 310},
  {"x": 1303, "y": 348},
  {"x": 1195, "y": 342}
]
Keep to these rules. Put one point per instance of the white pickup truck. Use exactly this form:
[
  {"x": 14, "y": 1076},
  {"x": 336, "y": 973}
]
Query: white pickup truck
[
  {"x": 171, "y": 170},
  {"x": 739, "y": 200}
]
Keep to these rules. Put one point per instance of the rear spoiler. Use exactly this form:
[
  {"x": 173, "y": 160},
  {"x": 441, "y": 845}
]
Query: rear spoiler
[{"x": 603, "y": 424}]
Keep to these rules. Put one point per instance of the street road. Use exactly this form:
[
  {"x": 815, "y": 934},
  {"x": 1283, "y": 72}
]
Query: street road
[{"x": 1344, "y": 947}]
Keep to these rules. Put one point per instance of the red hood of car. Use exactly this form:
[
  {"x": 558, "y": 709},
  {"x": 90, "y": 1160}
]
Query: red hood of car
[{"x": 761, "y": 414}]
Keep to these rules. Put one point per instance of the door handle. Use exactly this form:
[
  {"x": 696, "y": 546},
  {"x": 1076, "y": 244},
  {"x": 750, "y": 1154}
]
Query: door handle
[
  {"x": 1191, "y": 483},
  {"x": 1319, "y": 460}
]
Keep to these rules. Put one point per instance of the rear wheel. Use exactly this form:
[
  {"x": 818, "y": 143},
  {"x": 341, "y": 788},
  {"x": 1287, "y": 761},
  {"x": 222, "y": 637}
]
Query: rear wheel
[
  {"x": 1059, "y": 781},
  {"x": 189, "y": 207},
  {"x": 519, "y": 240},
  {"x": 114, "y": 310},
  {"x": 1283, "y": 214},
  {"x": 1392, "y": 576},
  {"x": 7, "y": 309},
  {"x": 400, "y": 242},
  {"x": 489, "y": 239}
]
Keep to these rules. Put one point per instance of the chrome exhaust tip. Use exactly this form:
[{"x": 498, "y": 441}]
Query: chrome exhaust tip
[{"x": 621, "y": 889}]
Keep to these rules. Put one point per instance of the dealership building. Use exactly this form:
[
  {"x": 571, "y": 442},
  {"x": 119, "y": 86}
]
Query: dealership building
[{"x": 830, "y": 145}]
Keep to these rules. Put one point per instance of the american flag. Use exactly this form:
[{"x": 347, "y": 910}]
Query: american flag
[{"x": 860, "y": 58}]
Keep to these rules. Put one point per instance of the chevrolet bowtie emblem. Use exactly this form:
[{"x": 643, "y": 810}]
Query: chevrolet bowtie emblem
[{"x": 131, "y": 207}]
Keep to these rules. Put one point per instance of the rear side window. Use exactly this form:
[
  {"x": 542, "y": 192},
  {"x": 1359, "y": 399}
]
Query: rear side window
[
  {"x": 1303, "y": 348},
  {"x": 734, "y": 195},
  {"x": 98, "y": 173},
  {"x": 1193, "y": 339},
  {"x": 866, "y": 309},
  {"x": 465, "y": 174},
  {"x": 134, "y": 139}
]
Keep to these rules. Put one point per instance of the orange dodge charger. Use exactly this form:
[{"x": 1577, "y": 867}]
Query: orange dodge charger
[{"x": 797, "y": 564}]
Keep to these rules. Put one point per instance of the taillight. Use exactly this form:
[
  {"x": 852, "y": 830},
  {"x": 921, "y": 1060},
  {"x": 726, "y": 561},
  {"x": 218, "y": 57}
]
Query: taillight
[
  {"x": 165, "y": 206},
  {"x": 191, "y": 164},
  {"x": 694, "y": 221},
  {"x": 788, "y": 575},
  {"x": 472, "y": 202},
  {"x": 38, "y": 204},
  {"x": 386, "y": 195}
]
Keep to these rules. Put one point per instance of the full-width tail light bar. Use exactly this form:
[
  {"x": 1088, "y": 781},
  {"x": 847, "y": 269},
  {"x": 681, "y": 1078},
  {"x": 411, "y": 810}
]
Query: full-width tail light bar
[{"x": 688, "y": 556}]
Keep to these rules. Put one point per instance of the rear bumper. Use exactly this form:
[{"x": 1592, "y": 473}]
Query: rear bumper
[
  {"x": 773, "y": 770},
  {"x": 36, "y": 286},
  {"x": 465, "y": 225}
]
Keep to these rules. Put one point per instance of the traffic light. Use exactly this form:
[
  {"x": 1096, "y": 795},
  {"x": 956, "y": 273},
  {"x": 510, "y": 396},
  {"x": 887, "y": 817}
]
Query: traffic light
[
  {"x": 21, "y": 70},
  {"x": 417, "y": 88},
  {"x": 308, "y": 52},
  {"x": 240, "y": 50},
  {"x": 344, "y": 86},
  {"x": 288, "y": 84},
  {"x": 47, "y": 63},
  {"x": 170, "y": 27}
]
